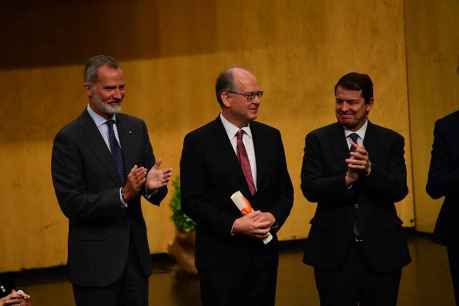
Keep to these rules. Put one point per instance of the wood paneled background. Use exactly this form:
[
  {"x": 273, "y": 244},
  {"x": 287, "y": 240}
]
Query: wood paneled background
[{"x": 171, "y": 52}]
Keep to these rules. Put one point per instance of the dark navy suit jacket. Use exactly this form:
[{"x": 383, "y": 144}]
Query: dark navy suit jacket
[
  {"x": 87, "y": 187},
  {"x": 322, "y": 181}
]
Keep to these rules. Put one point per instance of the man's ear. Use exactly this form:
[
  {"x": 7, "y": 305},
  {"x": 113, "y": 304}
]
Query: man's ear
[
  {"x": 369, "y": 105},
  {"x": 88, "y": 88},
  {"x": 226, "y": 101}
]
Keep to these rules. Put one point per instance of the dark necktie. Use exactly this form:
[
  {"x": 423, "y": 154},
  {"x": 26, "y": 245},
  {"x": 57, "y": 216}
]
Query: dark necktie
[
  {"x": 244, "y": 161},
  {"x": 355, "y": 137},
  {"x": 116, "y": 150}
]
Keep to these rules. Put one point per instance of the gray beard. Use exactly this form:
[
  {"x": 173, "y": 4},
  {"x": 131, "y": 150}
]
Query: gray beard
[{"x": 106, "y": 108}]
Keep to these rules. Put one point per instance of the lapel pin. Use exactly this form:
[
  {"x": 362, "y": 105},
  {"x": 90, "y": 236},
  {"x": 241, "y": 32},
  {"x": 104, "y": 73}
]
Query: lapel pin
[{"x": 130, "y": 132}]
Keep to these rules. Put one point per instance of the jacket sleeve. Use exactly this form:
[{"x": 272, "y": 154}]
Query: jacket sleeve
[
  {"x": 389, "y": 182},
  {"x": 316, "y": 185},
  {"x": 194, "y": 190},
  {"x": 72, "y": 191},
  {"x": 281, "y": 208}
]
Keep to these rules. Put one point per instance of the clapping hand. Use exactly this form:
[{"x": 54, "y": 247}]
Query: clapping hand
[
  {"x": 157, "y": 177},
  {"x": 134, "y": 182},
  {"x": 357, "y": 164},
  {"x": 19, "y": 298}
]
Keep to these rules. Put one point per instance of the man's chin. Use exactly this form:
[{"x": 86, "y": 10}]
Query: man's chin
[
  {"x": 253, "y": 115},
  {"x": 348, "y": 124},
  {"x": 112, "y": 109}
]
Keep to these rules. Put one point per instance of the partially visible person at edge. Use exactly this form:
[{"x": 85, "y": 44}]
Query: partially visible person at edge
[
  {"x": 443, "y": 181},
  {"x": 10, "y": 296}
]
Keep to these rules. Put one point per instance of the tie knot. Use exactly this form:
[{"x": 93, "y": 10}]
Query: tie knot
[
  {"x": 354, "y": 137},
  {"x": 239, "y": 134},
  {"x": 110, "y": 122}
]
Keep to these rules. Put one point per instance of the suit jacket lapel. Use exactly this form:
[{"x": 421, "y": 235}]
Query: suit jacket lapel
[
  {"x": 96, "y": 144},
  {"x": 259, "y": 145},
  {"x": 371, "y": 142},
  {"x": 127, "y": 141},
  {"x": 340, "y": 148}
]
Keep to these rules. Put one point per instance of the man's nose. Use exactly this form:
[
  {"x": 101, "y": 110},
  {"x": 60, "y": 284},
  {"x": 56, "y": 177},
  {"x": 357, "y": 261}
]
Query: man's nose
[
  {"x": 344, "y": 107},
  {"x": 117, "y": 93}
]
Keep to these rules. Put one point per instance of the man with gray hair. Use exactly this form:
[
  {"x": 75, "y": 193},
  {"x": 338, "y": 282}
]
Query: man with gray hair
[{"x": 102, "y": 163}]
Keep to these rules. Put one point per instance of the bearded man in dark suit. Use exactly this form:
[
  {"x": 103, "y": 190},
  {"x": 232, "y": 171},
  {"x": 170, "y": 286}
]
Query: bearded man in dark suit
[
  {"x": 355, "y": 171},
  {"x": 236, "y": 153},
  {"x": 102, "y": 163}
]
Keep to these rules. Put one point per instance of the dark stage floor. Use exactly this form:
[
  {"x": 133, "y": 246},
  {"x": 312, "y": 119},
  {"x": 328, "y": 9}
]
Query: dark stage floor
[{"x": 425, "y": 282}]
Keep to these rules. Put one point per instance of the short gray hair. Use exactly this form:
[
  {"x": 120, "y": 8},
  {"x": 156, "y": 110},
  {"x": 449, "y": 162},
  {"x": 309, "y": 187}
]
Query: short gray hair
[
  {"x": 225, "y": 81},
  {"x": 90, "y": 70}
]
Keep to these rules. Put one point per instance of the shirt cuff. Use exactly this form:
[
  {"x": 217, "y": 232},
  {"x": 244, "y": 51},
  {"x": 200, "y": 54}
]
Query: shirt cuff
[
  {"x": 149, "y": 193},
  {"x": 369, "y": 169},
  {"x": 232, "y": 229},
  {"x": 122, "y": 200}
]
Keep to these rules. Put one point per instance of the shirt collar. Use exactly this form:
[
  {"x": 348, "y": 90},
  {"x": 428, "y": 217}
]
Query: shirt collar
[
  {"x": 232, "y": 129},
  {"x": 98, "y": 119},
  {"x": 361, "y": 132}
]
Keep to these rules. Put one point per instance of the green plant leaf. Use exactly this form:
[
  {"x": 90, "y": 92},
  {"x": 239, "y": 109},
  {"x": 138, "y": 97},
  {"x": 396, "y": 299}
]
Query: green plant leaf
[{"x": 181, "y": 220}]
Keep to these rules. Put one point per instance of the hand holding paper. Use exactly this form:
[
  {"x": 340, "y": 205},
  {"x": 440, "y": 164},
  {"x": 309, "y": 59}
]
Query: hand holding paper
[{"x": 253, "y": 223}]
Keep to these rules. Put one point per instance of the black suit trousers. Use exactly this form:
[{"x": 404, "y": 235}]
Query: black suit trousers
[
  {"x": 130, "y": 290},
  {"x": 254, "y": 286},
  {"x": 355, "y": 283}
]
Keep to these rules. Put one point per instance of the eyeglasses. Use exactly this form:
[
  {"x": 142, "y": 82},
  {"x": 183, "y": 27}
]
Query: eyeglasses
[{"x": 250, "y": 96}]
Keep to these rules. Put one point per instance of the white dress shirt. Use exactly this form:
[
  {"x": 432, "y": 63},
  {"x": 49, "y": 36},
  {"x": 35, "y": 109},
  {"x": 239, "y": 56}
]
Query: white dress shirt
[
  {"x": 103, "y": 127},
  {"x": 361, "y": 132}
]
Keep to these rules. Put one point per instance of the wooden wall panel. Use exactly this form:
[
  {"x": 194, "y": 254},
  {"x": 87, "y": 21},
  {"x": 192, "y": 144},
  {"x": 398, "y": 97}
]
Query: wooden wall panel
[
  {"x": 432, "y": 44},
  {"x": 171, "y": 52}
]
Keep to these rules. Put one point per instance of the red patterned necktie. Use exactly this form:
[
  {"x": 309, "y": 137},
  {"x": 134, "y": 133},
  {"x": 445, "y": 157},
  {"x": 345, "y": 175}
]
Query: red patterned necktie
[{"x": 244, "y": 161}]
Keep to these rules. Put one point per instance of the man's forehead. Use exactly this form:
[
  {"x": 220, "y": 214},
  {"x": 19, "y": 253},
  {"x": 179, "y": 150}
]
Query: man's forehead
[
  {"x": 108, "y": 70},
  {"x": 109, "y": 74},
  {"x": 341, "y": 91}
]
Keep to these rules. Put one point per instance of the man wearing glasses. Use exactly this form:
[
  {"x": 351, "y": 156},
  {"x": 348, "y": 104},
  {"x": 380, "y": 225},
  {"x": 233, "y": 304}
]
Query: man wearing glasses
[{"x": 235, "y": 153}]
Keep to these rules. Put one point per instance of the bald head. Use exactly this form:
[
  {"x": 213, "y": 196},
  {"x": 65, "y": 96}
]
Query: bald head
[
  {"x": 241, "y": 72},
  {"x": 239, "y": 95},
  {"x": 231, "y": 80},
  {"x": 241, "y": 77}
]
